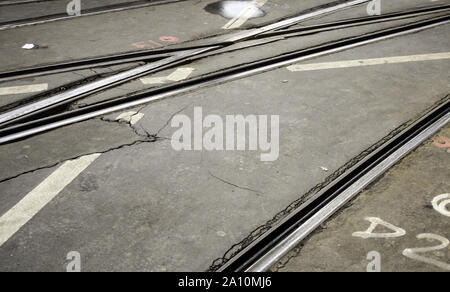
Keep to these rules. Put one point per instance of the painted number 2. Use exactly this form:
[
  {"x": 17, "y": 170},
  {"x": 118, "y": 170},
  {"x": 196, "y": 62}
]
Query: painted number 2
[{"x": 413, "y": 253}]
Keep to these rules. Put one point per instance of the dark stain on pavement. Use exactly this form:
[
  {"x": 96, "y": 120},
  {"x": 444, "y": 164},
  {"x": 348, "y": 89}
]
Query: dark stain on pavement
[{"x": 88, "y": 182}]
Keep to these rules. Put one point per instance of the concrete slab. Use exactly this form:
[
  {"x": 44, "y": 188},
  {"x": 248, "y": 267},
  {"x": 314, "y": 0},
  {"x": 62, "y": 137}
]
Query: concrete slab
[
  {"x": 149, "y": 207},
  {"x": 51, "y": 148},
  {"x": 9, "y": 101},
  {"x": 135, "y": 29},
  {"x": 55, "y": 83},
  {"x": 257, "y": 50},
  {"x": 403, "y": 197},
  {"x": 220, "y": 60}
]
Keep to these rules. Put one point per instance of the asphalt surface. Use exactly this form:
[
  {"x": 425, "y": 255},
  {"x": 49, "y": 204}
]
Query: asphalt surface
[{"x": 142, "y": 206}]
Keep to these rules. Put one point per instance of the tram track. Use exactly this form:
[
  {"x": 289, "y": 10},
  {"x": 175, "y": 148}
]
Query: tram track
[
  {"x": 273, "y": 245},
  {"x": 35, "y": 126},
  {"x": 273, "y": 242},
  {"x": 20, "y": 2},
  {"x": 354, "y": 22},
  {"x": 177, "y": 58},
  {"x": 158, "y": 54}
]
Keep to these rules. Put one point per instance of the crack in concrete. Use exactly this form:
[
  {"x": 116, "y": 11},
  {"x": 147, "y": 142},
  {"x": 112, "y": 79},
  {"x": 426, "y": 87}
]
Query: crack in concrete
[
  {"x": 171, "y": 117},
  {"x": 78, "y": 74},
  {"x": 120, "y": 121},
  {"x": 258, "y": 193},
  {"x": 95, "y": 72},
  {"x": 147, "y": 138},
  {"x": 259, "y": 231},
  {"x": 295, "y": 252},
  {"x": 147, "y": 133},
  {"x": 136, "y": 142}
]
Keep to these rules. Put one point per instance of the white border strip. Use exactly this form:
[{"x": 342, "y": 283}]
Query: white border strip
[
  {"x": 368, "y": 62},
  {"x": 34, "y": 201},
  {"x": 23, "y": 89}
]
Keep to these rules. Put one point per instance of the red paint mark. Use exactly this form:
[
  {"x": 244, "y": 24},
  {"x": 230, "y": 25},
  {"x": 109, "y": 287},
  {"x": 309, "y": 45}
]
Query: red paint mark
[
  {"x": 152, "y": 44},
  {"x": 442, "y": 142},
  {"x": 168, "y": 39}
]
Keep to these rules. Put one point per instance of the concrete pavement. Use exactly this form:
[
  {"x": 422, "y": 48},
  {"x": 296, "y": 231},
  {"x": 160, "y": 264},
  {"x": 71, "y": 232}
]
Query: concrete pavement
[
  {"x": 152, "y": 27},
  {"x": 148, "y": 207},
  {"x": 411, "y": 197},
  {"x": 142, "y": 206}
]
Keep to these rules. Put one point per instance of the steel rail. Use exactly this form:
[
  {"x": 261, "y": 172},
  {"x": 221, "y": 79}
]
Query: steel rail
[
  {"x": 96, "y": 86},
  {"x": 20, "y": 2},
  {"x": 146, "y": 55},
  {"x": 44, "y": 124},
  {"x": 319, "y": 216},
  {"x": 88, "y": 12},
  {"x": 359, "y": 21},
  {"x": 108, "y": 82},
  {"x": 89, "y": 63}
]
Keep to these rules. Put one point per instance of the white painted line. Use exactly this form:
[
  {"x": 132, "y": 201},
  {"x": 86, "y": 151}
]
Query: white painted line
[
  {"x": 23, "y": 89},
  {"x": 178, "y": 75},
  {"x": 368, "y": 62},
  {"x": 34, "y": 201},
  {"x": 374, "y": 222},
  {"x": 440, "y": 202},
  {"x": 245, "y": 14},
  {"x": 130, "y": 117}
]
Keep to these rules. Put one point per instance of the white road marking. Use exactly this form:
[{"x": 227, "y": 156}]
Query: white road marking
[
  {"x": 374, "y": 222},
  {"x": 413, "y": 253},
  {"x": 28, "y": 46},
  {"x": 23, "y": 89},
  {"x": 178, "y": 75},
  {"x": 130, "y": 117},
  {"x": 368, "y": 62},
  {"x": 34, "y": 201},
  {"x": 440, "y": 202},
  {"x": 245, "y": 14}
]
